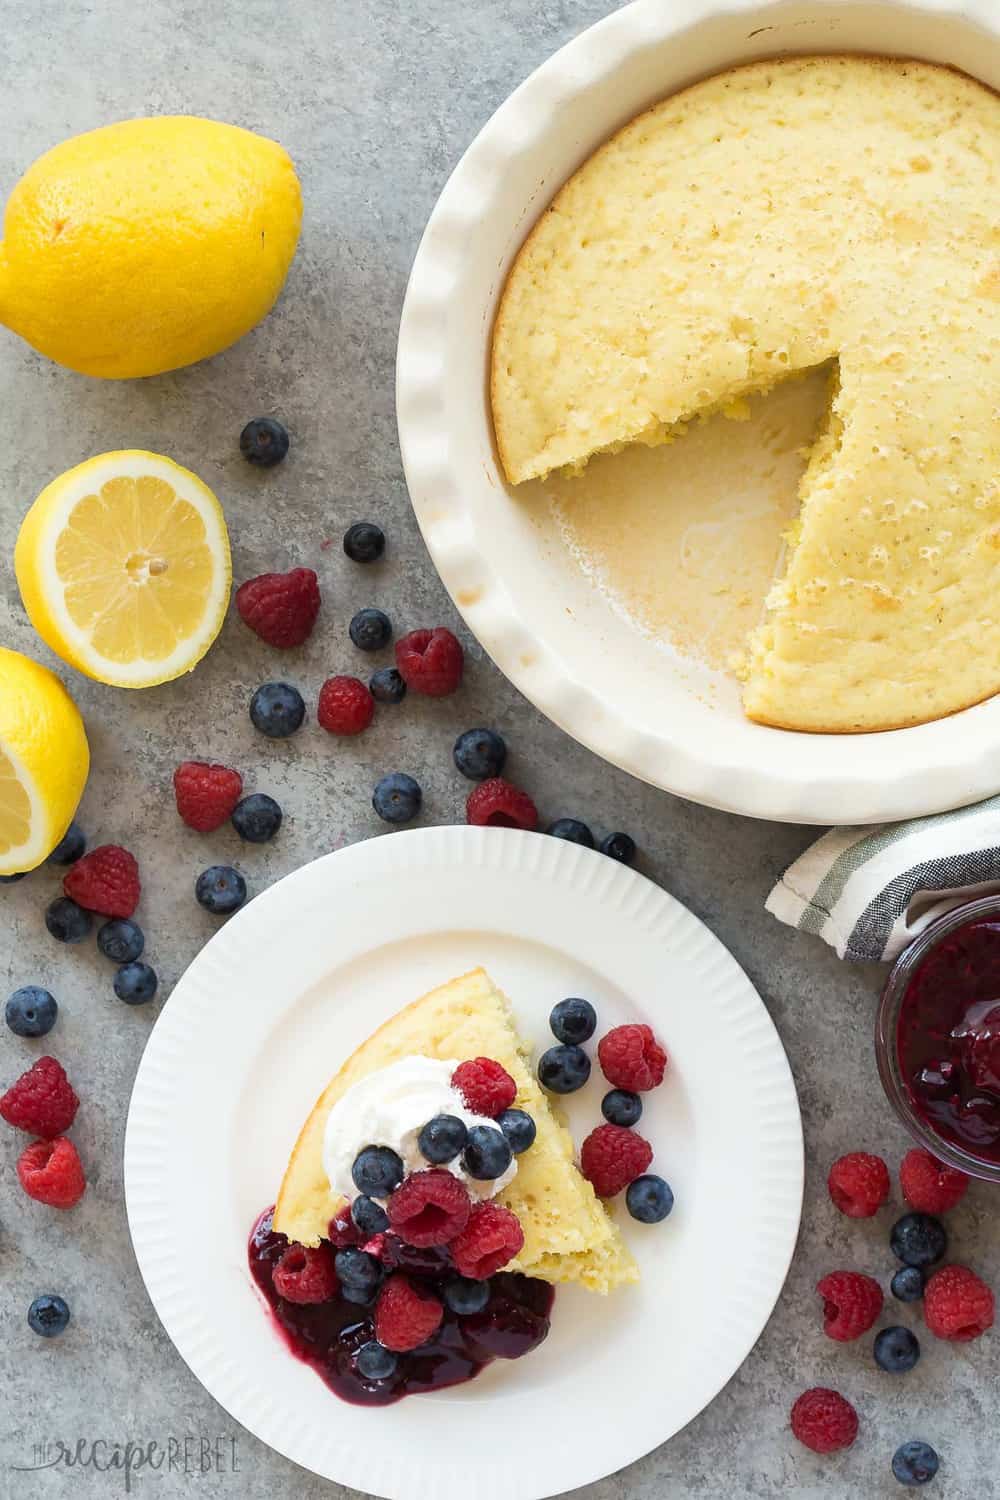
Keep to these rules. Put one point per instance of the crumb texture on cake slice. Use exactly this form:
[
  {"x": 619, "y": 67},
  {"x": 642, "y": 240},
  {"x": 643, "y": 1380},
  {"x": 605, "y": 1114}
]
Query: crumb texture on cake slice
[
  {"x": 568, "y": 1234},
  {"x": 773, "y": 218}
]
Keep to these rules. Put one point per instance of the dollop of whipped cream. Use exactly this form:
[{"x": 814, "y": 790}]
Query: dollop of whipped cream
[{"x": 390, "y": 1107}]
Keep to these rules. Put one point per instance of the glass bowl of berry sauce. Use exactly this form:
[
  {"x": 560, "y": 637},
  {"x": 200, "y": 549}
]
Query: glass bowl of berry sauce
[{"x": 937, "y": 1038}]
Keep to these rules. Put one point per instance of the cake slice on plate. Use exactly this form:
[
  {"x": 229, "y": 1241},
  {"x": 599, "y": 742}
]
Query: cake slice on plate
[{"x": 568, "y": 1234}]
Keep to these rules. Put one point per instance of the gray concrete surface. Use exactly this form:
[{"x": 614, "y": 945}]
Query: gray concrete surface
[{"x": 375, "y": 101}]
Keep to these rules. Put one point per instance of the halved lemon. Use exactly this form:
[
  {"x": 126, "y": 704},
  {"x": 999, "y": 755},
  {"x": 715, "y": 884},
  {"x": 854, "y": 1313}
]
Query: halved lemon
[
  {"x": 124, "y": 568},
  {"x": 44, "y": 760}
]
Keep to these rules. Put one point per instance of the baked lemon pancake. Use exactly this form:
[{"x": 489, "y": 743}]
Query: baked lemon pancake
[
  {"x": 839, "y": 211},
  {"x": 568, "y": 1234}
]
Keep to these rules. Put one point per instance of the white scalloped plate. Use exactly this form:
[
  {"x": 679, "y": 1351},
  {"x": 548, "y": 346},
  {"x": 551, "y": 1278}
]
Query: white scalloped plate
[
  {"x": 657, "y": 714},
  {"x": 295, "y": 981}
]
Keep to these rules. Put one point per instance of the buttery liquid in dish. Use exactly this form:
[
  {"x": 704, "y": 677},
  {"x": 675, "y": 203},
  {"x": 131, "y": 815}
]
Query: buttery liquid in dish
[{"x": 781, "y": 217}]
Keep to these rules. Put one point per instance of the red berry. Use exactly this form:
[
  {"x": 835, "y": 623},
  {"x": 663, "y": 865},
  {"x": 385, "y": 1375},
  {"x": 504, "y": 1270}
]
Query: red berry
[
  {"x": 206, "y": 794},
  {"x": 430, "y": 662},
  {"x": 498, "y": 804},
  {"x": 429, "y": 1208},
  {"x": 406, "y": 1316},
  {"x": 341, "y": 1230},
  {"x": 611, "y": 1157},
  {"x": 280, "y": 607},
  {"x": 345, "y": 705},
  {"x": 823, "y": 1420},
  {"x": 106, "y": 880},
  {"x": 859, "y": 1184},
  {"x": 928, "y": 1185},
  {"x": 492, "y": 1238},
  {"x": 50, "y": 1172},
  {"x": 632, "y": 1058},
  {"x": 957, "y": 1305},
  {"x": 304, "y": 1274},
  {"x": 486, "y": 1087},
  {"x": 851, "y": 1304},
  {"x": 41, "y": 1101}
]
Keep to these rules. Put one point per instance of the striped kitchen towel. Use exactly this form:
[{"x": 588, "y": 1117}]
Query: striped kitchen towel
[{"x": 869, "y": 891}]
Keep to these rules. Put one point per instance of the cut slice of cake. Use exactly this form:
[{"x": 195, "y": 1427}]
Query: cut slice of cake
[{"x": 568, "y": 1234}]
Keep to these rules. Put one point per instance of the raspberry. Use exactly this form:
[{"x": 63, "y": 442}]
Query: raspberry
[
  {"x": 280, "y": 607},
  {"x": 611, "y": 1157},
  {"x": 105, "y": 880},
  {"x": 851, "y": 1304},
  {"x": 957, "y": 1305},
  {"x": 631, "y": 1058},
  {"x": 305, "y": 1275},
  {"x": 430, "y": 662},
  {"x": 486, "y": 1087},
  {"x": 41, "y": 1101},
  {"x": 345, "y": 705},
  {"x": 492, "y": 1237},
  {"x": 429, "y": 1208},
  {"x": 859, "y": 1184},
  {"x": 498, "y": 804},
  {"x": 341, "y": 1230},
  {"x": 405, "y": 1315},
  {"x": 928, "y": 1185},
  {"x": 206, "y": 794},
  {"x": 823, "y": 1420},
  {"x": 50, "y": 1172}
]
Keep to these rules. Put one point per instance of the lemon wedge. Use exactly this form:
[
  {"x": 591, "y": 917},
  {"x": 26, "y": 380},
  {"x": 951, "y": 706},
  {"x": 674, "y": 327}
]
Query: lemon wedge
[
  {"x": 124, "y": 568},
  {"x": 44, "y": 760}
]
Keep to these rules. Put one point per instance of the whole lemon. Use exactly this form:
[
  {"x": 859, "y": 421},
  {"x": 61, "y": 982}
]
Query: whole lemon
[
  {"x": 147, "y": 245},
  {"x": 44, "y": 761}
]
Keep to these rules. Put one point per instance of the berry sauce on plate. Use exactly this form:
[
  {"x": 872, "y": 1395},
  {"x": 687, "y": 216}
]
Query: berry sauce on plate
[
  {"x": 328, "y": 1335},
  {"x": 948, "y": 1038}
]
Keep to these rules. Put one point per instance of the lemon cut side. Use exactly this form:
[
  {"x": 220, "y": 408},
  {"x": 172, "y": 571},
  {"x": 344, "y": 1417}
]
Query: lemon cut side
[
  {"x": 124, "y": 567},
  {"x": 44, "y": 760}
]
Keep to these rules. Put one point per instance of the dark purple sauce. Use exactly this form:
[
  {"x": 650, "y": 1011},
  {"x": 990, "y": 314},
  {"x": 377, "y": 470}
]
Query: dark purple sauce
[
  {"x": 948, "y": 1038},
  {"x": 327, "y": 1335}
]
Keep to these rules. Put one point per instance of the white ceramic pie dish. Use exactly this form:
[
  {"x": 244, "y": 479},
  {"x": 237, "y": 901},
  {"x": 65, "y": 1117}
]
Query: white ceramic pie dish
[{"x": 663, "y": 718}]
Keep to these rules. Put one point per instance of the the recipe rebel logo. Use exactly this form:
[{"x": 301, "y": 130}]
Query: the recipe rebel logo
[{"x": 131, "y": 1458}]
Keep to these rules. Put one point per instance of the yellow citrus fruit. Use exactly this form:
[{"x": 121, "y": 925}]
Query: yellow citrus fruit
[
  {"x": 44, "y": 762},
  {"x": 148, "y": 245},
  {"x": 123, "y": 565}
]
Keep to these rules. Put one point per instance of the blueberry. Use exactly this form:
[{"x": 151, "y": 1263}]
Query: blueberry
[
  {"x": 277, "y": 710},
  {"x": 370, "y": 630},
  {"x": 480, "y": 754},
  {"x": 264, "y": 442},
  {"x": 896, "y": 1350},
  {"x": 487, "y": 1154},
  {"x": 364, "y": 542},
  {"x": 357, "y": 1272},
  {"x": 121, "y": 940},
  {"x": 621, "y": 1107},
  {"x": 70, "y": 846},
  {"x": 915, "y": 1463},
  {"x": 649, "y": 1199},
  {"x": 573, "y": 1021},
  {"x": 908, "y": 1284},
  {"x": 67, "y": 921},
  {"x": 370, "y": 1217},
  {"x": 220, "y": 889},
  {"x": 376, "y": 1362},
  {"x": 918, "y": 1239},
  {"x": 377, "y": 1171},
  {"x": 386, "y": 686},
  {"x": 563, "y": 1070},
  {"x": 572, "y": 830},
  {"x": 397, "y": 798},
  {"x": 465, "y": 1296},
  {"x": 619, "y": 846},
  {"x": 442, "y": 1139},
  {"x": 31, "y": 1011},
  {"x": 257, "y": 818},
  {"x": 48, "y": 1315},
  {"x": 519, "y": 1129},
  {"x": 135, "y": 984}
]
